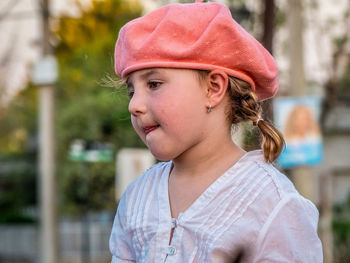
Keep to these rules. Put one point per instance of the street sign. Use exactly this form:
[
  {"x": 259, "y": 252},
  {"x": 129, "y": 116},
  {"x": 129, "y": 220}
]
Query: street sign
[
  {"x": 45, "y": 71},
  {"x": 90, "y": 151}
]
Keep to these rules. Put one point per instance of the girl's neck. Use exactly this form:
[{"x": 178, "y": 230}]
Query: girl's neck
[{"x": 219, "y": 154}]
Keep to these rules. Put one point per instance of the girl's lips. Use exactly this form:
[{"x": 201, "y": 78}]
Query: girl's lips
[{"x": 148, "y": 129}]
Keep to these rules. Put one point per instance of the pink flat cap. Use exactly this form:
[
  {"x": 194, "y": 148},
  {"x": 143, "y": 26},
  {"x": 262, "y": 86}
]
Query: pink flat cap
[{"x": 196, "y": 36}]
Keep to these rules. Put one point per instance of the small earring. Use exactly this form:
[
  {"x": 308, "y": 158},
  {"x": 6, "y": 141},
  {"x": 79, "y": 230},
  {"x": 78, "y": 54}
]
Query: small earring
[{"x": 209, "y": 109}]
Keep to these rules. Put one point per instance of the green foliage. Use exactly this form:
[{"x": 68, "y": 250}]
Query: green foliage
[
  {"x": 18, "y": 126},
  {"x": 252, "y": 137},
  {"x": 86, "y": 109},
  {"x": 101, "y": 21},
  {"x": 18, "y": 123},
  {"x": 341, "y": 228},
  {"x": 344, "y": 82},
  {"x": 17, "y": 187}
]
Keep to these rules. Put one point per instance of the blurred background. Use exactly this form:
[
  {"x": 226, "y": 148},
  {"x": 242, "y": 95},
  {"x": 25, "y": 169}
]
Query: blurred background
[{"x": 67, "y": 148}]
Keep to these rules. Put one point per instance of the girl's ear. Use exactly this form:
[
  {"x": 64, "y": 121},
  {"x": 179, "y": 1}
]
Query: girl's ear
[{"x": 216, "y": 88}]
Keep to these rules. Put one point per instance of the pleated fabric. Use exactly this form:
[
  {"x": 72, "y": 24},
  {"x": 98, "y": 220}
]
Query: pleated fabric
[{"x": 251, "y": 210}]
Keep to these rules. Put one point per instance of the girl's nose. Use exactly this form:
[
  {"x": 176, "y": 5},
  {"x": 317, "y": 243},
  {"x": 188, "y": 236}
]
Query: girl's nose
[{"x": 137, "y": 105}]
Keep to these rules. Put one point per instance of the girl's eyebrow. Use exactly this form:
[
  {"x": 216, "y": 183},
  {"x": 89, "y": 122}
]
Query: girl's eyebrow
[
  {"x": 143, "y": 76},
  {"x": 148, "y": 73}
]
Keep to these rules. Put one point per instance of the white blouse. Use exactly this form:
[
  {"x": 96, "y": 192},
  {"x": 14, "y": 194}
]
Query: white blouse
[{"x": 251, "y": 208}]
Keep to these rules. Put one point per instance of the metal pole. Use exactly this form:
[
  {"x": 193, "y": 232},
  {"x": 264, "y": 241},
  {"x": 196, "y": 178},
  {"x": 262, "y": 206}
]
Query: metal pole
[
  {"x": 48, "y": 251},
  {"x": 85, "y": 223},
  {"x": 47, "y": 183},
  {"x": 267, "y": 41},
  {"x": 326, "y": 215},
  {"x": 302, "y": 176},
  {"x": 296, "y": 54}
]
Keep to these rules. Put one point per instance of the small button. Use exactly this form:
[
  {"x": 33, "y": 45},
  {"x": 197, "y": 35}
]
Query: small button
[
  {"x": 171, "y": 251},
  {"x": 173, "y": 222}
]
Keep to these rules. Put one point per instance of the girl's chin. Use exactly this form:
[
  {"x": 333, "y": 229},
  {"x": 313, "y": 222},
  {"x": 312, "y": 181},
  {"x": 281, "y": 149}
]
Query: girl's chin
[{"x": 161, "y": 155}]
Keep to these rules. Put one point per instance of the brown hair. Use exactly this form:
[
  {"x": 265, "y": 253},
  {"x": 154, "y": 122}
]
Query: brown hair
[{"x": 244, "y": 106}]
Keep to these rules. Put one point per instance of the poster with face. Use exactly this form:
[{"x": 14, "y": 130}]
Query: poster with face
[{"x": 298, "y": 119}]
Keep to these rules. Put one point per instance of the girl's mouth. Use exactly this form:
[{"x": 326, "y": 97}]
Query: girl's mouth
[{"x": 149, "y": 129}]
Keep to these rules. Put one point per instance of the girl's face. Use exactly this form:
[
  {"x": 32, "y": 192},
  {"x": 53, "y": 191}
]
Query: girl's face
[{"x": 168, "y": 110}]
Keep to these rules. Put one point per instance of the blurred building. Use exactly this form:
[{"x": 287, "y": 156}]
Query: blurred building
[{"x": 20, "y": 27}]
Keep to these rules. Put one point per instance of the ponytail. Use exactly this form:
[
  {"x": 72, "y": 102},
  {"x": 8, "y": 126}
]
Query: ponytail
[
  {"x": 245, "y": 106},
  {"x": 272, "y": 140}
]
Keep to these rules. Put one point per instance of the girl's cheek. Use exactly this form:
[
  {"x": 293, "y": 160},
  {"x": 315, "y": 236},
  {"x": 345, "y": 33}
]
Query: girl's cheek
[
  {"x": 134, "y": 124},
  {"x": 138, "y": 130}
]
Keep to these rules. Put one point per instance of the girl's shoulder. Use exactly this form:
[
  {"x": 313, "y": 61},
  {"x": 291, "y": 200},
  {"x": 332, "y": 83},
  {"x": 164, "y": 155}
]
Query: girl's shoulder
[
  {"x": 144, "y": 189},
  {"x": 151, "y": 177},
  {"x": 277, "y": 214},
  {"x": 276, "y": 192},
  {"x": 278, "y": 182}
]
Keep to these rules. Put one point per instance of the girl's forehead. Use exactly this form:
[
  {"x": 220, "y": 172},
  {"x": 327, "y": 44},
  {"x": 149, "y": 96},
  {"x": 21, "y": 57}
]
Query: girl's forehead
[{"x": 144, "y": 74}]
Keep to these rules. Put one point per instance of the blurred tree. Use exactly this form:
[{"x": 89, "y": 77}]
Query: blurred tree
[
  {"x": 341, "y": 228},
  {"x": 85, "y": 108},
  {"x": 17, "y": 188},
  {"x": 5, "y": 59},
  {"x": 18, "y": 124},
  {"x": 337, "y": 87},
  {"x": 269, "y": 14},
  {"x": 18, "y": 157},
  {"x": 18, "y": 127}
]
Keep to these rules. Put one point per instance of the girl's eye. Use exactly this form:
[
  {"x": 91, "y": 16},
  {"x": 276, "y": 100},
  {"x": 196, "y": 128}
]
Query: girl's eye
[
  {"x": 130, "y": 89},
  {"x": 130, "y": 93},
  {"x": 154, "y": 84}
]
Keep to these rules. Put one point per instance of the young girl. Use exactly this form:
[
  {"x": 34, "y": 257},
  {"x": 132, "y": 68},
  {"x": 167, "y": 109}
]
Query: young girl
[{"x": 192, "y": 72}]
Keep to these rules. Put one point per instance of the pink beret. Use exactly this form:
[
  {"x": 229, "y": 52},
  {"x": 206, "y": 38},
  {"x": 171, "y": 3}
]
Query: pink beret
[{"x": 196, "y": 36}]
